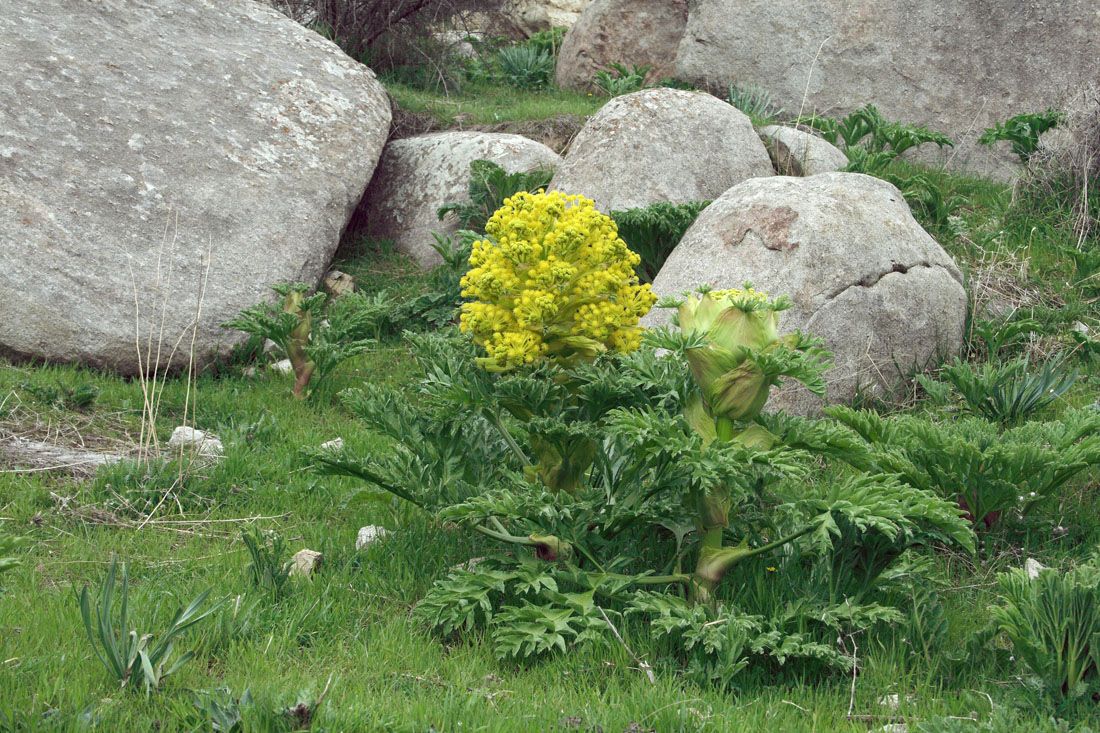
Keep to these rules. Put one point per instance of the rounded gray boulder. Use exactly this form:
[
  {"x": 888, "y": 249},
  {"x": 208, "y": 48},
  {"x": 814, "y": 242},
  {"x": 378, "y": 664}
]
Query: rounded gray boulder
[
  {"x": 861, "y": 273},
  {"x": 661, "y": 145}
]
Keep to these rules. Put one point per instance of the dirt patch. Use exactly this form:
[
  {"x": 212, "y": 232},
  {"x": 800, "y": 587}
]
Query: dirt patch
[{"x": 772, "y": 224}]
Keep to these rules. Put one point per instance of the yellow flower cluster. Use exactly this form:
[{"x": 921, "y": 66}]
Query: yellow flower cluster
[
  {"x": 552, "y": 278},
  {"x": 748, "y": 296}
]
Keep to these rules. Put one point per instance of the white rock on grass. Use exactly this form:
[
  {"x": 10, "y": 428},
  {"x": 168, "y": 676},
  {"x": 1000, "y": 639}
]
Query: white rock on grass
[
  {"x": 369, "y": 535},
  {"x": 305, "y": 562},
  {"x": 206, "y": 444},
  {"x": 335, "y": 444},
  {"x": 283, "y": 367}
]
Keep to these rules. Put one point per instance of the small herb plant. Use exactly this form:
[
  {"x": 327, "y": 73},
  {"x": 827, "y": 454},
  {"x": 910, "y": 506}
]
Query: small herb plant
[
  {"x": 1053, "y": 622},
  {"x": 489, "y": 186},
  {"x": 526, "y": 66},
  {"x": 124, "y": 651},
  {"x": 316, "y": 332},
  {"x": 618, "y": 79},
  {"x": 654, "y": 231},
  {"x": 870, "y": 141},
  {"x": 754, "y": 101},
  {"x": 1022, "y": 131},
  {"x": 1009, "y": 393},
  {"x": 269, "y": 569}
]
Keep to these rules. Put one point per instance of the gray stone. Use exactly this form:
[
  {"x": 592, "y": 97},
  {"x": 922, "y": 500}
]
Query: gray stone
[
  {"x": 369, "y": 535},
  {"x": 956, "y": 68},
  {"x": 860, "y": 271},
  {"x": 418, "y": 175},
  {"x": 798, "y": 153},
  {"x": 144, "y": 144},
  {"x": 305, "y": 563},
  {"x": 600, "y": 37},
  {"x": 532, "y": 16},
  {"x": 661, "y": 145},
  {"x": 188, "y": 439}
]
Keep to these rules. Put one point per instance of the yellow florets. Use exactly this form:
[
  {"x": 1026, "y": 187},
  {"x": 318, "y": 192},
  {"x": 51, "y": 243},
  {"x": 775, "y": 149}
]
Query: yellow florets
[
  {"x": 736, "y": 295},
  {"x": 552, "y": 278}
]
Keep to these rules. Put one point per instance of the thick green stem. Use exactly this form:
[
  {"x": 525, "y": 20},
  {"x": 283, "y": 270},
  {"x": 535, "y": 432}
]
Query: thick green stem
[
  {"x": 715, "y": 561},
  {"x": 494, "y": 418}
]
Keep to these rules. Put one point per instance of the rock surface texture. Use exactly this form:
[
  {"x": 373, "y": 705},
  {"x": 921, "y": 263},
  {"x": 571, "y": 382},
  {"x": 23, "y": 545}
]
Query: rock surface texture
[
  {"x": 532, "y": 16},
  {"x": 629, "y": 32},
  {"x": 418, "y": 175},
  {"x": 248, "y": 136},
  {"x": 956, "y": 68},
  {"x": 799, "y": 153},
  {"x": 861, "y": 273},
  {"x": 661, "y": 145}
]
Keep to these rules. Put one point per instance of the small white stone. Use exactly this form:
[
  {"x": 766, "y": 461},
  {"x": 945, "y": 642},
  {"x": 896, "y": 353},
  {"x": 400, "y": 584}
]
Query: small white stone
[
  {"x": 1081, "y": 328},
  {"x": 894, "y": 728},
  {"x": 270, "y": 346},
  {"x": 305, "y": 562},
  {"x": 207, "y": 444},
  {"x": 283, "y": 367},
  {"x": 334, "y": 445},
  {"x": 890, "y": 702},
  {"x": 369, "y": 535},
  {"x": 1032, "y": 567}
]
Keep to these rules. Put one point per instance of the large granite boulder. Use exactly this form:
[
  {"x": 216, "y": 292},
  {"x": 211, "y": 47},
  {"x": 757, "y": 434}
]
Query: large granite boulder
[
  {"x": 661, "y": 145},
  {"x": 249, "y": 138},
  {"x": 861, "y": 272},
  {"x": 630, "y": 32},
  {"x": 956, "y": 68},
  {"x": 418, "y": 175}
]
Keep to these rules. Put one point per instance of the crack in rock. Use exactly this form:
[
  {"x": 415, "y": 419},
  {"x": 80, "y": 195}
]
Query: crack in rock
[{"x": 872, "y": 279}]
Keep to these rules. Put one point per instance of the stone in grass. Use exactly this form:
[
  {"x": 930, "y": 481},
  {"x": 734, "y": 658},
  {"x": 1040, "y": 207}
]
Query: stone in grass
[
  {"x": 305, "y": 562},
  {"x": 338, "y": 283},
  {"x": 369, "y": 535},
  {"x": 336, "y": 444},
  {"x": 204, "y": 443},
  {"x": 283, "y": 367},
  {"x": 1032, "y": 567},
  {"x": 798, "y": 153}
]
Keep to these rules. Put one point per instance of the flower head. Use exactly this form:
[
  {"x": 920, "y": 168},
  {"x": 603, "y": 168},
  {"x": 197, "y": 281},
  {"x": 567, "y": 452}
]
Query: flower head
[{"x": 551, "y": 279}]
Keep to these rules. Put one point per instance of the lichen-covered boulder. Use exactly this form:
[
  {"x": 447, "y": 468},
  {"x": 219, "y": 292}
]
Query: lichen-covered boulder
[
  {"x": 799, "y": 153},
  {"x": 629, "y": 32},
  {"x": 860, "y": 271},
  {"x": 954, "y": 67},
  {"x": 167, "y": 162},
  {"x": 661, "y": 145},
  {"x": 418, "y": 175}
]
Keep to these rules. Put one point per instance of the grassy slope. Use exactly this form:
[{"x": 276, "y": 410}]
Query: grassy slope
[{"x": 351, "y": 624}]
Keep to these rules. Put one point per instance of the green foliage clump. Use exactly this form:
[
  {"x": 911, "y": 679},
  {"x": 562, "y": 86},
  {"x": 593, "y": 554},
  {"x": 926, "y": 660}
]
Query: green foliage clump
[
  {"x": 987, "y": 471},
  {"x": 125, "y": 651},
  {"x": 526, "y": 66},
  {"x": 756, "y": 102},
  {"x": 654, "y": 231},
  {"x": 618, "y": 79},
  {"x": 489, "y": 186},
  {"x": 1023, "y": 131},
  {"x": 634, "y": 487},
  {"x": 316, "y": 332},
  {"x": 269, "y": 569},
  {"x": 1009, "y": 393},
  {"x": 8, "y": 544},
  {"x": 1053, "y": 622}
]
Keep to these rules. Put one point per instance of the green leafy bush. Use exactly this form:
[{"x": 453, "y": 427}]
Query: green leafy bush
[
  {"x": 634, "y": 484},
  {"x": 269, "y": 569},
  {"x": 526, "y": 66},
  {"x": 1009, "y": 393},
  {"x": 489, "y": 186},
  {"x": 125, "y": 651},
  {"x": 1023, "y": 131},
  {"x": 316, "y": 332},
  {"x": 987, "y": 471},
  {"x": 1053, "y": 622},
  {"x": 654, "y": 231},
  {"x": 618, "y": 79},
  {"x": 754, "y": 101},
  {"x": 870, "y": 140}
]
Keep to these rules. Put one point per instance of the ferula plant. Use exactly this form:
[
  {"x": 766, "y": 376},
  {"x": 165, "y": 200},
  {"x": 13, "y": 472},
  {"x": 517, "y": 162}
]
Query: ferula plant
[
  {"x": 552, "y": 279},
  {"x": 628, "y": 474}
]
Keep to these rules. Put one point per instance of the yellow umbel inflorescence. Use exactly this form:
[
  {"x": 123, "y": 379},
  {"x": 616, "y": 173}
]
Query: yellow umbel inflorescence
[
  {"x": 748, "y": 296},
  {"x": 554, "y": 279}
]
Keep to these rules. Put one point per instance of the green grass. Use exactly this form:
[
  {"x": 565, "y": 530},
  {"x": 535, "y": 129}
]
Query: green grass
[
  {"x": 348, "y": 631},
  {"x": 483, "y": 104}
]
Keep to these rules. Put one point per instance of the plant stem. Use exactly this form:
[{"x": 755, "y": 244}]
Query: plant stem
[{"x": 494, "y": 418}]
